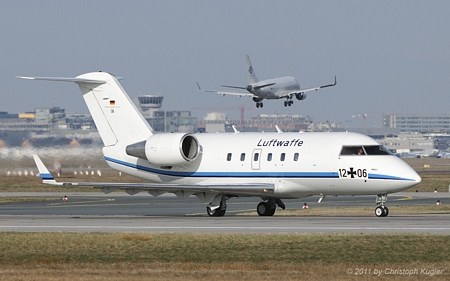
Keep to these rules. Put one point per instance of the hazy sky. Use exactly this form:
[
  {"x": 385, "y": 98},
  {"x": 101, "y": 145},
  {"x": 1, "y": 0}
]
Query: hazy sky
[{"x": 388, "y": 56}]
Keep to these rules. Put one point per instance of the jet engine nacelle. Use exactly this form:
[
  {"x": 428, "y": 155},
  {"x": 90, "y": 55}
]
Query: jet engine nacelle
[
  {"x": 166, "y": 149},
  {"x": 255, "y": 99},
  {"x": 300, "y": 96}
]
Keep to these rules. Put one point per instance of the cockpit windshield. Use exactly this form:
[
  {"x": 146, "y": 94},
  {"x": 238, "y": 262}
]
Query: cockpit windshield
[{"x": 365, "y": 150}]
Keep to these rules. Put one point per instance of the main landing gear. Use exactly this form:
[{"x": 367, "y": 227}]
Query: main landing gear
[
  {"x": 381, "y": 210},
  {"x": 268, "y": 207},
  {"x": 288, "y": 102},
  {"x": 218, "y": 207},
  {"x": 259, "y": 104}
]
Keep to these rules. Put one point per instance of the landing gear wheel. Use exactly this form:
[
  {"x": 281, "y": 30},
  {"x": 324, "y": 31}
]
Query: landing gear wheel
[
  {"x": 386, "y": 212},
  {"x": 264, "y": 209},
  {"x": 215, "y": 213},
  {"x": 285, "y": 103},
  {"x": 381, "y": 211},
  {"x": 290, "y": 103},
  {"x": 261, "y": 105}
]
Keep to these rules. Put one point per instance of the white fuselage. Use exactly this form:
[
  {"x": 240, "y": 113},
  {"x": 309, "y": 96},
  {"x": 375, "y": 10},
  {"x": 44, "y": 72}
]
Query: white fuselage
[
  {"x": 298, "y": 164},
  {"x": 282, "y": 85}
]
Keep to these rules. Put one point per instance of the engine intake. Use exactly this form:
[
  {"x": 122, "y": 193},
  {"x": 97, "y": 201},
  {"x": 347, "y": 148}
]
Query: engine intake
[
  {"x": 300, "y": 96},
  {"x": 166, "y": 149}
]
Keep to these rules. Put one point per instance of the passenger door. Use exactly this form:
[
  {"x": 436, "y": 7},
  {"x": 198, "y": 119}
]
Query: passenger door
[{"x": 256, "y": 157}]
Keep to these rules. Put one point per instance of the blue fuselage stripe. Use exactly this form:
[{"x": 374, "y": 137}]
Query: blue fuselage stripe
[
  {"x": 227, "y": 174},
  {"x": 256, "y": 174}
]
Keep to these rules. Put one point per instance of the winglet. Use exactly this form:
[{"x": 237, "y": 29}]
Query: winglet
[
  {"x": 46, "y": 177},
  {"x": 329, "y": 85}
]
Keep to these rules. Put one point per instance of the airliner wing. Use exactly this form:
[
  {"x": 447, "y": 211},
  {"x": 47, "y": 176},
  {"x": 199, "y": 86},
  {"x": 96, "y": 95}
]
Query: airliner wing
[
  {"x": 249, "y": 189},
  {"x": 239, "y": 94},
  {"x": 290, "y": 93}
]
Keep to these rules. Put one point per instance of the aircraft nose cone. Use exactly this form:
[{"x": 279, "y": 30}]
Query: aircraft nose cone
[{"x": 411, "y": 176}]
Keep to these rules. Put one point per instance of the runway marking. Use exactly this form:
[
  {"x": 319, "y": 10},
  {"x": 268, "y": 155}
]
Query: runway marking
[
  {"x": 80, "y": 202},
  {"x": 405, "y": 198},
  {"x": 227, "y": 227},
  {"x": 228, "y": 211}
]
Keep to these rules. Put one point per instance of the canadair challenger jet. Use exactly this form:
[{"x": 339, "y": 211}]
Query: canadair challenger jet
[
  {"x": 217, "y": 167},
  {"x": 278, "y": 88}
]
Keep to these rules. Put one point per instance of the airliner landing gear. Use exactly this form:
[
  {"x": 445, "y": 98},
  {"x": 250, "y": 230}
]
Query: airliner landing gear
[
  {"x": 216, "y": 212},
  {"x": 268, "y": 208},
  {"x": 259, "y": 104},
  {"x": 288, "y": 102},
  {"x": 381, "y": 210},
  {"x": 217, "y": 207}
]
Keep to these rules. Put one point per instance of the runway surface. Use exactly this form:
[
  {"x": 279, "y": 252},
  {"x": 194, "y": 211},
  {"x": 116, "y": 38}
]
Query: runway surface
[{"x": 118, "y": 212}]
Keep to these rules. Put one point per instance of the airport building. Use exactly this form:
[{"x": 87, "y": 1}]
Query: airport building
[
  {"x": 165, "y": 120},
  {"x": 421, "y": 123},
  {"x": 217, "y": 122}
]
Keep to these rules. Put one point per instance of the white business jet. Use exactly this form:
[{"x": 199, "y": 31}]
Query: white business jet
[
  {"x": 217, "y": 167},
  {"x": 278, "y": 88}
]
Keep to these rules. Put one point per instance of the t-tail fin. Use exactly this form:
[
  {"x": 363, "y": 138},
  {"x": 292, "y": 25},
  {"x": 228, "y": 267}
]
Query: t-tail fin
[
  {"x": 251, "y": 74},
  {"x": 117, "y": 118}
]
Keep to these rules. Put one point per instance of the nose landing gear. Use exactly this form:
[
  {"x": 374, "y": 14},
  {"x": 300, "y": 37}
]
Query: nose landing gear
[{"x": 381, "y": 210}]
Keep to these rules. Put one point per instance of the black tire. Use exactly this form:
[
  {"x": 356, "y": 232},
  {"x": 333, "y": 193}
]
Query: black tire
[
  {"x": 261, "y": 209},
  {"x": 270, "y": 212},
  {"x": 215, "y": 213},
  {"x": 385, "y": 211},
  {"x": 379, "y": 211},
  {"x": 211, "y": 213}
]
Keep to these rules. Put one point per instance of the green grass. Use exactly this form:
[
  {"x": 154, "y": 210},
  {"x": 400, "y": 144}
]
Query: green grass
[
  {"x": 58, "y": 248},
  {"x": 138, "y": 256}
]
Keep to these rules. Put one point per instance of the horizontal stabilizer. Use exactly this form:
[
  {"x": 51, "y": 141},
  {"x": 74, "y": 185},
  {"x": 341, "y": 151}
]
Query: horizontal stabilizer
[{"x": 64, "y": 79}]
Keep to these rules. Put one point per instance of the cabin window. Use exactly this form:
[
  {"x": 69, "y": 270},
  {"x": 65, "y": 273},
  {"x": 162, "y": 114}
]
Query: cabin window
[
  {"x": 269, "y": 157},
  {"x": 282, "y": 156},
  {"x": 256, "y": 157},
  {"x": 242, "y": 156},
  {"x": 229, "y": 157},
  {"x": 295, "y": 156}
]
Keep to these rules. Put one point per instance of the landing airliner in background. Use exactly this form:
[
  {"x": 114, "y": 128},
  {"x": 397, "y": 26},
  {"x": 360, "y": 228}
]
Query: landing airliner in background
[
  {"x": 217, "y": 167},
  {"x": 278, "y": 88}
]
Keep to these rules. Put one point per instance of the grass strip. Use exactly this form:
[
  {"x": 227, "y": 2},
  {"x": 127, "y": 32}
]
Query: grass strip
[
  {"x": 139, "y": 256},
  {"x": 66, "y": 248}
]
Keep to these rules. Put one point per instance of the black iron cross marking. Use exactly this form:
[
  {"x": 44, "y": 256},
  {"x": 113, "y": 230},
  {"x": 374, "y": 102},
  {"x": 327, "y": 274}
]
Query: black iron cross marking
[{"x": 351, "y": 172}]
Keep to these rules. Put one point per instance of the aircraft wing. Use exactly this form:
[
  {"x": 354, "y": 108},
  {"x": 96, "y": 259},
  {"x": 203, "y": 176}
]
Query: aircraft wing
[
  {"x": 248, "y": 189},
  {"x": 223, "y": 93},
  {"x": 290, "y": 93}
]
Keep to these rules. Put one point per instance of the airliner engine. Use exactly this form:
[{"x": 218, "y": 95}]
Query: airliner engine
[
  {"x": 300, "y": 96},
  {"x": 166, "y": 149}
]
